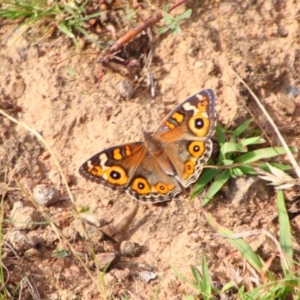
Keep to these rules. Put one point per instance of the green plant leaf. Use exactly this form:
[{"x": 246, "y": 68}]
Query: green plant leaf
[
  {"x": 167, "y": 17},
  {"x": 206, "y": 176},
  {"x": 185, "y": 15},
  {"x": 260, "y": 154},
  {"x": 220, "y": 180},
  {"x": 220, "y": 134},
  {"x": 189, "y": 297},
  {"x": 177, "y": 30},
  {"x": 59, "y": 253},
  {"x": 241, "y": 128},
  {"x": 229, "y": 147},
  {"x": 285, "y": 234},
  {"x": 236, "y": 172},
  {"x": 252, "y": 141},
  {"x": 64, "y": 29},
  {"x": 206, "y": 281}
]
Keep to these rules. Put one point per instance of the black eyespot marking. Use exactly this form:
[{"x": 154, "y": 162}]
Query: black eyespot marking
[
  {"x": 199, "y": 123},
  {"x": 115, "y": 175},
  {"x": 162, "y": 187},
  {"x": 196, "y": 148},
  {"x": 141, "y": 186},
  {"x": 188, "y": 167}
]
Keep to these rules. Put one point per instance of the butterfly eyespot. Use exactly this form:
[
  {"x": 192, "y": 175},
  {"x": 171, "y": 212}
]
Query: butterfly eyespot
[
  {"x": 162, "y": 188},
  {"x": 196, "y": 149},
  {"x": 189, "y": 168},
  {"x": 141, "y": 186},
  {"x": 95, "y": 171},
  {"x": 116, "y": 175},
  {"x": 199, "y": 123}
]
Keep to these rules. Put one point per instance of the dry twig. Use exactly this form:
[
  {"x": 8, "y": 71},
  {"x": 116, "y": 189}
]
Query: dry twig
[{"x": 135, "y": 31}]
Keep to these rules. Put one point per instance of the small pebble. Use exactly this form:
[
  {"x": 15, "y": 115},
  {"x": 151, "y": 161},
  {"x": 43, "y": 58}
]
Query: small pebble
[
  {"x": 105, "y": 260},
  {"x": 130, "y": 248},
  {"x": 45, "y": 195},
  {"x": 24, "y": 217},
  {"x": 22, "y": 241},
  {"x": 147, "y": 276},
  {"x": 125, "y": 88},
  {"x": 282, "y": 31}
]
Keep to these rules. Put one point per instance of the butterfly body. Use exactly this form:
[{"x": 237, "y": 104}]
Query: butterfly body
[{"x": 168, "y": 161}]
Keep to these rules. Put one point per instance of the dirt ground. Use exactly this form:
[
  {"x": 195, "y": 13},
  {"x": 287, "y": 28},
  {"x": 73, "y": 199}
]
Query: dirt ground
[{"x": 74, "y": 103}]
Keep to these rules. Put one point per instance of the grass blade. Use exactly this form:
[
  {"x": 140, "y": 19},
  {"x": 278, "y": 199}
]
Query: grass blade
[
  {"x": 232, "y": 147},
  {"x": 252, "y": 141},
  {"x": 206, "y": 282},
  {"x": 206, "y": 176},
  {"x": 246, "y": 251},
  {"x": 220, "y": 134},
  {"x": 260, "y": 154},
  {"x": 240, "y": 129},
  {"x": 221, "y": 179},
  {"x": 285, "y": 234}
]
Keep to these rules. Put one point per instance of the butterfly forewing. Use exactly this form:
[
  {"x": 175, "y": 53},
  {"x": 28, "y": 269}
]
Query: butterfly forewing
[{"x": 192, "y": 119}]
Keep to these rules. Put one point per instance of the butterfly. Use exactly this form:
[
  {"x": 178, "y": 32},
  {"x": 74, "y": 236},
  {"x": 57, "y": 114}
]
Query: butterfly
[{"x": 167, "y": 162}]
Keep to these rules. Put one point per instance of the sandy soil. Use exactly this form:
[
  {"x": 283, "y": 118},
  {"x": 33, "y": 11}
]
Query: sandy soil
[{"x": 73, "y": 102}]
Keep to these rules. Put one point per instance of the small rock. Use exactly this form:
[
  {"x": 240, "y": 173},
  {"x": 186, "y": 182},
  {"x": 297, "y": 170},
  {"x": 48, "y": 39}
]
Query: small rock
[
  {"x": 49, "y": 236},
  {"x": 70, "y": 233},
  {"x": 32, "y": 252},
  {"x": 24, "y": 217},
  {"x": 90, "y": 218},
  {"x": 109, "y": 246},
  {"x": 94, "y": 233},
  {"x": 45, "y": 195},
  {"x": 22, "y": 241},
  {"x": 145, "y": 266},
  {"x": 285, "y": 105},
  {"x": 17, "y": 89},
  {"x": 246, "y": 187},
  {"x": 121, "y": 275},
  {"x": 292, "y": 91},
  {"x": 125, "y": 88},
  {"x": 105, "y": 260},
  {"x": 147, "y": 276},
  {"x": 130, "y": 248},
  {"x": 282, "y": 31}
]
